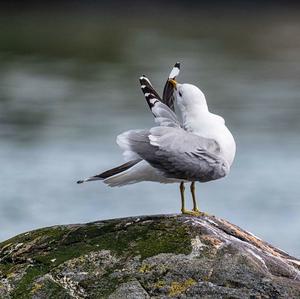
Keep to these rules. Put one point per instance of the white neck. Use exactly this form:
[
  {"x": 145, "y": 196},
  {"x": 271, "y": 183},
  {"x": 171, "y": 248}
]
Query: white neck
[
  {"x": 193, "y": 112},
  {"x": 201, "y": 122}
]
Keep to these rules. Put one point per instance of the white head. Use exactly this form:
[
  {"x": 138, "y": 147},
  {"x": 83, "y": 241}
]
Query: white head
[{"x": 189, "y": 97}]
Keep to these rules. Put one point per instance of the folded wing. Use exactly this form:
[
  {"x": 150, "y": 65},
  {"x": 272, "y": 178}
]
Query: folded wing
[{"x": 179, "y": 154}]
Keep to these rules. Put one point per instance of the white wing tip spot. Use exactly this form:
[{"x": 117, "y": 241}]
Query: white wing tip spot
[
  {"x": 174, "y": 73},
  {"x": 145, "y": 78}
]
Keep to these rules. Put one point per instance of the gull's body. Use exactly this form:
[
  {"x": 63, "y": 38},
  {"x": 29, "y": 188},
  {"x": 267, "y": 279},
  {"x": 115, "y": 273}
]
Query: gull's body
[
  {"x": 199, "y": 148},
  {"x": 197, "y": 120}
]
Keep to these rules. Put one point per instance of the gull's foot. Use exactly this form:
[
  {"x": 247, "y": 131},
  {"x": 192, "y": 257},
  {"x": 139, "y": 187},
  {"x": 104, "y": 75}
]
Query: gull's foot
[
  {"x": 199, "y": 213},
  {"x": 192, "y": 213}
]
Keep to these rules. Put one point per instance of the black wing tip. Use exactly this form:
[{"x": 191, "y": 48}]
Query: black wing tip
[
  {"x": 117, "y": 170},
  {"x": 80, "y": 182},
  {"x": 151, "y": 102},
  {"x": 143, "y": 77},
  {"x": 177, "y": 64},
  {"x": 146, "y": 87}
]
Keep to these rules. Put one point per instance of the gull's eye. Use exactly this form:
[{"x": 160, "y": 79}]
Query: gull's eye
[{"x": 180, "y": 93}]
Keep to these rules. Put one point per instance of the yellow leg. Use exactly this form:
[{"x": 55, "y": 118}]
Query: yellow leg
[
  {"x": 196, "y": 211},
  {"x": 195, "y": 207},
  {"x": 182, "y": 188},
  {"x": 183, "y": 210}
]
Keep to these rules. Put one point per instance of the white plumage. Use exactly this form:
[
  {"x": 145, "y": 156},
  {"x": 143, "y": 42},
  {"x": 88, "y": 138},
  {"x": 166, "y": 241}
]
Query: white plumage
[
  {"x": 198, "y": 148},
  {"x": 214, "y": 137}
]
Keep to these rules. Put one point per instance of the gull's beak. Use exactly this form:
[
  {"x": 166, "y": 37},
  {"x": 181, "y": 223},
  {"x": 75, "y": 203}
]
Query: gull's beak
[{"x": 173, "y": 82}]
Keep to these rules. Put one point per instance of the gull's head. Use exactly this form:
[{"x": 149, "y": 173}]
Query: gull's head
[{"x": 188, "y": 96}]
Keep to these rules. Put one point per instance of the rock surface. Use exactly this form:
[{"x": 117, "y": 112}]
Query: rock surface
[{"x": 169, "y": 256}]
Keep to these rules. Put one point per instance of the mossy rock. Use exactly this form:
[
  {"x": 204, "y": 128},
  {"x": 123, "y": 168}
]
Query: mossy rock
[{"x": 168, "y": 256}]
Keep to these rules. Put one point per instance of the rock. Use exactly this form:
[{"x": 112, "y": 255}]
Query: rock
[{"x": 168, "y": 256}]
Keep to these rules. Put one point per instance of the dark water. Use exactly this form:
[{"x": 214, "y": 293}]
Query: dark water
[{"x": 69, "y": 86}]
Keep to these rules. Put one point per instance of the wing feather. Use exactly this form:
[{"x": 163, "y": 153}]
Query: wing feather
[
  {"x": 180, "y": 154},
  {"x": 162, "y": 108},
  {"x": 168, "y": 93},
  {"x": 164, "y": 116}
]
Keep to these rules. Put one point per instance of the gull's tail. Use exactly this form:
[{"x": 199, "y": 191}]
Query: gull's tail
[{"x": 111, "y": 172}]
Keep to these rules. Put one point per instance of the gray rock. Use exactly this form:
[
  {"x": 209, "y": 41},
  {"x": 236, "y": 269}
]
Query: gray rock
[
  {"x": 129, "y": 290},
  {"x": 168, "y": 256}
]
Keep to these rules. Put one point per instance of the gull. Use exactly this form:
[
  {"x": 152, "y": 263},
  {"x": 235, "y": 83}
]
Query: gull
[{"x": 193, "y": 145}]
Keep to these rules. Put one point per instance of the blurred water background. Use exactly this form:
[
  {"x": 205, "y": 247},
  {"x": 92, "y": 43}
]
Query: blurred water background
[{"x": 69, "y": 85}]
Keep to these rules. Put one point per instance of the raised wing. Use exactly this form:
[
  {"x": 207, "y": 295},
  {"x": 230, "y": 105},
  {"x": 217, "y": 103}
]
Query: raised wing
[
  {"x": 164, "y": 116},
  {"x": 168, "y": 93},
  {"x": 168, "y": 97},
  {"x": 179, "y": 154},
  {"x": 147, "y": 87}
]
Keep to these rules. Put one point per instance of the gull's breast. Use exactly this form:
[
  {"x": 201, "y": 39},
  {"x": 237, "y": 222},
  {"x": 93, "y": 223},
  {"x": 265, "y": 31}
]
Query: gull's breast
[{"x": 216, "y": 130}]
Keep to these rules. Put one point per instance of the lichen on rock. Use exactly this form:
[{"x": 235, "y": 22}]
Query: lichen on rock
[{"x": 168, "y": 256}]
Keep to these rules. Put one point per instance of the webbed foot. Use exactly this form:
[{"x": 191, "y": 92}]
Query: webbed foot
[
  {"x": 199, "y": 213},
  {"x": 191, "y": 213}
]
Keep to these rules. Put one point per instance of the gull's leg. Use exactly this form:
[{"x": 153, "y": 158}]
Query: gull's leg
[
  {"x": 195, "y": 207},
  {"x": 183, "y": 210},
  {"x": 196, "y": 211},
  {"x": 182, "y": 188}
]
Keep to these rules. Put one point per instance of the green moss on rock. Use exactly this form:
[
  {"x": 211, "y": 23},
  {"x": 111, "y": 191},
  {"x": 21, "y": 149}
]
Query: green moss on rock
[{"x": 159, "y": 256}]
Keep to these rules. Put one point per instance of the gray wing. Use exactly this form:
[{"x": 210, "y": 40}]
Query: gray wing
[
  {"x": 164, "y": 116},
  {"x": 179, "y": 154}
]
